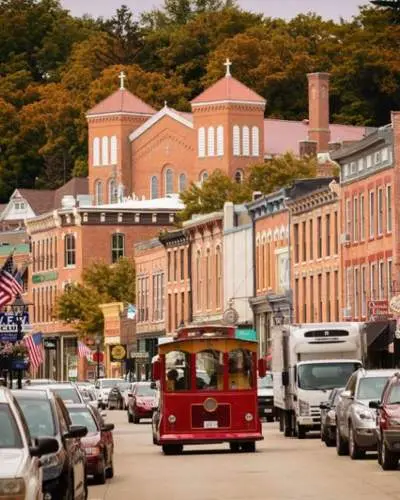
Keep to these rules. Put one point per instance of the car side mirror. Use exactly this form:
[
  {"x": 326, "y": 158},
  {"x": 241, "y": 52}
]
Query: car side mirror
[
  {"x": 76, "y": 431},
  {"x": 375, "y": 405},
  {"x": 324, "y": 406},
  {"x": 346, "y": 395},
  {"x": 44, "y": 446},
  {"x": 108, "y": 427}
]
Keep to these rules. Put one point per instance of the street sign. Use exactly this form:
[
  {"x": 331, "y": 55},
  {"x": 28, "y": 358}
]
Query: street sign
[
  {"x": 98, "y": 356},
  {"x": 379, "y": 310},
  {"x": 144, "y": 356}
]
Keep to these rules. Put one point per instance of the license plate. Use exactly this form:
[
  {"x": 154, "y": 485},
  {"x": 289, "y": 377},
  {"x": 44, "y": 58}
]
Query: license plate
[
  {"x": 267, "y": 410},
  {"x": 210, "y": 424}
]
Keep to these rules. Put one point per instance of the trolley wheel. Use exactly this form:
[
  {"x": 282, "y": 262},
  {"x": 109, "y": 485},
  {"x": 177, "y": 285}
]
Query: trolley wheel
[
  {"x": 172, "y": 449},
  {"x": 249, "y": 447},
  {"x": 234, "y": 447}
]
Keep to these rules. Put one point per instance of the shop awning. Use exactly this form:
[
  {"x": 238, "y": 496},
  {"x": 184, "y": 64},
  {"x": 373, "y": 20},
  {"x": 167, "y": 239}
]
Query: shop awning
[{"x": 380, "y": 334}]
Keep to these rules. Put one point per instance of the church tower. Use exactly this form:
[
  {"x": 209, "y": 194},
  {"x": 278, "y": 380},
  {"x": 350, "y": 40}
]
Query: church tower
[
  {"x": 110, "y": 123},
  {"x": 228, "y": 119}
]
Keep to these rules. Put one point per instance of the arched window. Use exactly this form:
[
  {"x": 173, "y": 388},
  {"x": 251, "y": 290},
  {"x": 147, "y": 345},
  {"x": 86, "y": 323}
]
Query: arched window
[
  {"x": 98, "y": 192},
  {"x": 246, "y": 141},
  {"x": 182, "y": 182},
  {"x": 96, "y": 151},
  {"x": 69, "y": 250},
  {"x": 199, "y": 280},
  {"x": 117, "y": 247},
  {"x": 255, "y": 139},
  {"x": 169, "y": 181},
  {"x": 104, "y": 151},
  {"x": 203, "y": 177},
  {"x": 112, "y": 191},
  {"x": 114, "y": 154},
  {"x": 220, "y": 141},
  {"x": 208, "y": 279},
  {"x": 218, "y": 276},
  {"x": 154, "y": 188},
  {"x": 202, "y": 142},
  {"x": 239, "y": 176},
  {"x": 236, "y": 140},
  {"x": 211, "y": 141}
]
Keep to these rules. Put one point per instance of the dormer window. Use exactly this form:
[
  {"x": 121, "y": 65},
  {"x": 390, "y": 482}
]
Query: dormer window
[{"x": 19, "y": 205}]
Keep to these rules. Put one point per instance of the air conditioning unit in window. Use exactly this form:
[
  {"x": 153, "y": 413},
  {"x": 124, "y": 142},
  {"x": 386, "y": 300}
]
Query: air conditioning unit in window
[
  {"x": 346, "y": 311},
  {"x": 345, "y": 238}
]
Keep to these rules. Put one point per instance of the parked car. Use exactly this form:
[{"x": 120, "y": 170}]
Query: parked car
[
  {"x": 68, "y": 392},
  {"x": 265, "y": 397},
  {"x": 38, "y": 381},
  {"x": 142, "y": 403},
  {"x": 328, "y": 417},
  {"x": 115, "y": 399},
  {"x": 103, "y": 388},
  {"x": 126, "y": 391},
  {"x": 64, "y": 470},
  {"x": 98, "y": 443},
  {"x": 355, "y": 421},
  {"x": 388, "y": 424},
  {"x": 89, "y": 396},
  {"x": 20, "y": 473}
]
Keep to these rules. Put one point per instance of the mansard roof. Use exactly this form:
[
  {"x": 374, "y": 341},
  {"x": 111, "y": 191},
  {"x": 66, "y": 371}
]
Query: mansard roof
[{"x": 121, "y": 101}]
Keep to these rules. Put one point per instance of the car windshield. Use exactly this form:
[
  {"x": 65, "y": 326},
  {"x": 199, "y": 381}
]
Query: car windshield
[
  {"x": 145, "y": 391},
  {"x": 266, "y": 382},
  {"x": 325, "y": 376},
  {"x": 68, "y": 394},
  {"x": 371, "y": 387},
  {"x": 38, "y": 415},
  {"x": 394, "y": 395},
  {"x": 109, "y": 383},
  {"x": 10, "y": 436},
  {"x": 81, "y": 416}
]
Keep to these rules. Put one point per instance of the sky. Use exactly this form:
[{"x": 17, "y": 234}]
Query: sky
[{"x": 274, "y": 8}]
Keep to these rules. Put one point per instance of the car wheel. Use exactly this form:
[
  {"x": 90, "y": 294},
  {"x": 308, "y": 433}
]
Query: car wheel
[
  {"x": 301, "y": 431},
  {"x": 130, "y": 417},
  {"x": 110, "y": 470},
  {"x": 342, "y": 448},
  {"x": 100, "y": 478},
  {"x": 389, "y": 460},
  {"x": 136, "y": 420},
  {"x": 69, "y": 494},
  {"x": 355, "y": 451}
]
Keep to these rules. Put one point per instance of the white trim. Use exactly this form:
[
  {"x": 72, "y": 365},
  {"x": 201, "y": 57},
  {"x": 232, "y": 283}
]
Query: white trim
[
  {"x": 118, "y": 113},
  {"x": 165, "y": 111},
  {"x": 229, "y": 101}
]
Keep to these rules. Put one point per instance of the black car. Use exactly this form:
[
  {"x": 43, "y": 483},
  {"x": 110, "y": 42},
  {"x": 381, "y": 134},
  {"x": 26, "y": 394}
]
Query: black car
[
  {"x": 328, "y": 417},
  {"x": 115, "y": 399},
  {"x": 64, "y": 471}
]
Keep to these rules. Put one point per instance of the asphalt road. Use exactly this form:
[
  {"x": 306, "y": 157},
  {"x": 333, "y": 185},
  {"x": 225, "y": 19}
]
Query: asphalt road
[{"x": 281, "y": 469}]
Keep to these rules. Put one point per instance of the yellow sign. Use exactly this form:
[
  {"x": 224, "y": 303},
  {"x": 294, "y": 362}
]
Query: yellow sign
[{"x": 118, "y": 352}]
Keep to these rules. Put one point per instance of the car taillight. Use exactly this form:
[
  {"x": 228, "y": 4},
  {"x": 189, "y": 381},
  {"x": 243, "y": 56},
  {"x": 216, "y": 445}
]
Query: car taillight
[{"x": 93, "y": 451}]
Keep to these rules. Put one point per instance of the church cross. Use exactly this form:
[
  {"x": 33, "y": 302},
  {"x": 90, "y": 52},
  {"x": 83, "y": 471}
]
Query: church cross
[
  {"x": 122, "y": 77},
  {"x": 228, "y": 65}
]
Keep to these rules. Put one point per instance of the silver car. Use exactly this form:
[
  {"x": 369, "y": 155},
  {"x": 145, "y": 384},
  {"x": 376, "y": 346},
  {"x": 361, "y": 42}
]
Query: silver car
[
  {"x": 328, "y": 417},
  {"x": 355, "y": 421}
]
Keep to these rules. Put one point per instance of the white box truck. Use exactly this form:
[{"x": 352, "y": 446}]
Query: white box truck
[{"x": 308, "y": 361}]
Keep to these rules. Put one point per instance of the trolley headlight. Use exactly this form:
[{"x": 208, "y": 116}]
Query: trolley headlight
[
  {"x": 171, "y": 419},
  {"x": 249, "y": 417}
]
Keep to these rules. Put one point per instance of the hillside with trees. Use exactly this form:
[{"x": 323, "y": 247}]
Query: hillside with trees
[{"x": 54, "y": 67}]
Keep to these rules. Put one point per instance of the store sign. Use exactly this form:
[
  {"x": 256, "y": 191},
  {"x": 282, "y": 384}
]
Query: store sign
[
  {"x": 117, "y": 352},
  {"x": 9, "y": 326},
  {"x": 143, "y": 356},
  {"x": 378, "y": 310},
  {"x": 41, "y": 278},
  {"x": 50, "y": 343}
]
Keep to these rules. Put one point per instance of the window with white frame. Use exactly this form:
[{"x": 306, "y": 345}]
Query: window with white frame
[
  {"x": 211, "y": 141},
  {"x": 245, "y": 141},
  {"x": 169, "y": 181},
  {"x": 356, "y": 291},
  {"x": 202, "y": 142},
  {"x": 377, "y": 157},
  {"x": 389, "y": 208},
  {"x": 255, "y": 141},
  {"x": 372, "y": 281},
  {"x": 381, "y": 279},
  {"x": 112, "y": 191},
  {"x": 96, "y": 151},
  {"x": 385, "y": 154},
  {"x": 353, "y": 167},
  {"x": 389, "y": 278},
  {"x": 369, "y": 161},
  {"x": 346, "y": 170},
  {"x": 220, "y": 140},
  {"x": 362, "y": 217},
  {"x": 360, "y": 164},
  {"x": 236, "y": 140},
  {"x": 113, "y": 147},
  {"x": 348, "y": 216},
  {"x": 348, "y": 287},
  {"x": 203, "y": 177},
  {"x": 380, "y": 211},
  {"x": 363, "y": 291},
  {"x": 104, "y": 151},
  {"x": 182, "y": 182},
  {"x": 69, "y": 250},
  {"x": 199, "y": 279},
  {"x": 117, "y": 247},
  {"x": 355, "y": 220},
  {"x": 371, "y": 214},
  {"x": 98, "y": 192},
  {"x": 154, "y": 188}
]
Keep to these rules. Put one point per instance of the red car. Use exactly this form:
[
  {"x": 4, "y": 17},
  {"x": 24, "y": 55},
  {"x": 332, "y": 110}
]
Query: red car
[
  {"x": 142, "y": 402},
  {"x": 98, "y": 443},
  {"x": 388, "y": 424}
]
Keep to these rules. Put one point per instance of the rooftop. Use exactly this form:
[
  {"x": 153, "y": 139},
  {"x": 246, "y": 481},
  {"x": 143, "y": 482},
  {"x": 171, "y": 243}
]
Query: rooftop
[
  {"x": 171, "y": 203},
  {"x": 121, "y": 101},
  {"x": 228, "y": 89}
]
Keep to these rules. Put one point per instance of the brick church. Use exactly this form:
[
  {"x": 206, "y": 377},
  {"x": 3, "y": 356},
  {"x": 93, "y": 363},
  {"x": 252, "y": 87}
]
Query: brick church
[{"x": 137, "y": 151}]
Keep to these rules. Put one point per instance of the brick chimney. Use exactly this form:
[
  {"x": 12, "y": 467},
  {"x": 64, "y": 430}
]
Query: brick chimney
[{"x": 318, "y": 110}]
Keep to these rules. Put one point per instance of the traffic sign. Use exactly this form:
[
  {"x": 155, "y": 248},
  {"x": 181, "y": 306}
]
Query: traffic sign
[{"x": 98, "y": 357}]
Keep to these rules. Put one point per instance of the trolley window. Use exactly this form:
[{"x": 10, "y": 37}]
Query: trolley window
[
  {"x": 177, "y": 365},
  {"x": 240, "y": 370},
  {"x": 210, "y": 370}
]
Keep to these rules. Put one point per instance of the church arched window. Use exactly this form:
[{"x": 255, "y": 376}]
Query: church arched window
[
  {"x": 154, "y": 188},
  {"x": 255, "y": 139},
  {"x": 239, "y": 176},
  {"x": 182, "y": 182},
  {"x": 211, "y": 141},
  {"x": 203, "y": 177},
  {"x": 114, "y": 155},
  {"x": 236, "y": 140},
  {"x": 220, "y": 141},
  {"x": 169, "y": 181},
  {"x": 245, "y": 141},
  {"x": 98, "y": 192},
  {"x": 202, "y": 142},
  {"x": 96, "y": 151},
  {"x": 104, "y": 151},
  {"x": 112, "y": 191}
]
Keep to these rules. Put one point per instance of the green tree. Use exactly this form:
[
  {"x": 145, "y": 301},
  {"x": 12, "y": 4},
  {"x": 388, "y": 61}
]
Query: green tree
[{"x": 79, "y": 304}]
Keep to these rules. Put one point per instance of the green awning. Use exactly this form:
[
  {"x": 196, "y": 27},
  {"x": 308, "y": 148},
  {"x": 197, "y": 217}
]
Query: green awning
[{"x": 246, "y": 334}]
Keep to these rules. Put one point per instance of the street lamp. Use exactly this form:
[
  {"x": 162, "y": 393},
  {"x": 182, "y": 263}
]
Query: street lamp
[
  {"x": 98, "y": 343},
  {"x": 278, "y": 317},
  {"x": 19, "y": 308}
]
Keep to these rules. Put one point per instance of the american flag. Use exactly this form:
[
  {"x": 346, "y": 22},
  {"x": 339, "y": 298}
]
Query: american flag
[
  {"x": 10, "y": 282},
  {"x": 34, "y": 346},
  {"x": 84, "y": 351}
]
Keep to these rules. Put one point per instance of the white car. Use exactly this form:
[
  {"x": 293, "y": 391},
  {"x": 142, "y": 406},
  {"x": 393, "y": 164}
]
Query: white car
[
  {"x": 20, "y": 471},
  {"x": 103, "y": 387},
  {"x": 127, "y": 393}
]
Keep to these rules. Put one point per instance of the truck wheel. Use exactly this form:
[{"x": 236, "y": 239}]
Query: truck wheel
[
  {"x": 389, "y": 460},
  {"x": 342, "y": 448},
  {"x": 301, "y": 431},
  {"x": 281, "y": 422},
  {"x": 355, "y": 451},
  {"x": 287, "y": 418}
]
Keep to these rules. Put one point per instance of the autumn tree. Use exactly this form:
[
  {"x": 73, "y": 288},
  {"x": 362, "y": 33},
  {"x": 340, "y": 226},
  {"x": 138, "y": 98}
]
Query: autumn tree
[{"x": 79, "y": 304}]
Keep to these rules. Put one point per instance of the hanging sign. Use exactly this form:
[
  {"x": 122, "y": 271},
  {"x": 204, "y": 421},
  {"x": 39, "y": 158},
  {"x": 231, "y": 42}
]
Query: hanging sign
[{"x": 117, "y": 352}]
